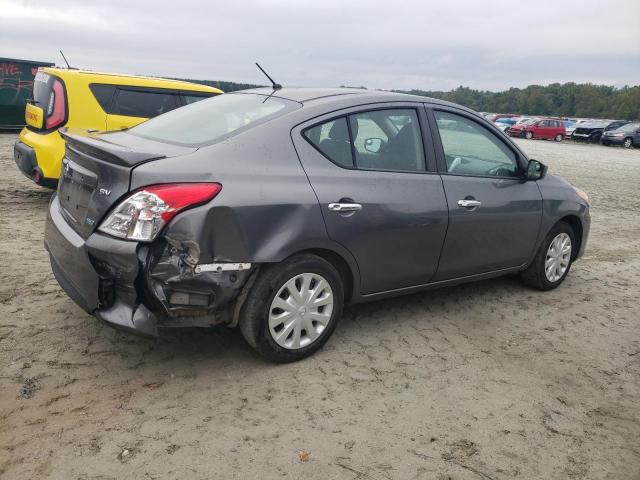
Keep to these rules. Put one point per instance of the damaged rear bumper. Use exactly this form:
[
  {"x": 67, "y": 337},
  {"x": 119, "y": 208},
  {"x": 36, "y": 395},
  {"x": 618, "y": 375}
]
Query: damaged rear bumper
[{"x": 141, "y": 287}]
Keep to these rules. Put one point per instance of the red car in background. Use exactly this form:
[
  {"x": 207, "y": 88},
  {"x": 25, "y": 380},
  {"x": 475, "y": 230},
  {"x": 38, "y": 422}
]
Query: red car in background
[{"x": 545, "y": 128}]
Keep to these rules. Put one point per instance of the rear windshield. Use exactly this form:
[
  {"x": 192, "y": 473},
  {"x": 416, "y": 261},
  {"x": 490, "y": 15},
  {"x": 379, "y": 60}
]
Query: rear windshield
[
  {"x": 213, "y": 119},
  {"x": 42, "y": 90}
]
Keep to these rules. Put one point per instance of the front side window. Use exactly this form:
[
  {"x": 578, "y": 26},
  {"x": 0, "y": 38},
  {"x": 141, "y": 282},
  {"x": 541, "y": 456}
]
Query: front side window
[
  {"x": 388, "y": 139},
  {"x": 471, "y": 149}
]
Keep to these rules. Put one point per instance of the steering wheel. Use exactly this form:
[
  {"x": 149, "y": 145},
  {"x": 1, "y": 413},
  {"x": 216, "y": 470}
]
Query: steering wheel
[{"x": 500, "y": 171}]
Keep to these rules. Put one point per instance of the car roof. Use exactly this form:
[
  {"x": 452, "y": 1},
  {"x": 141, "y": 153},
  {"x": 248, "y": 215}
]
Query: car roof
[
  {"x": 317, "y": 96},
  {"x": 130, "y": 80}
]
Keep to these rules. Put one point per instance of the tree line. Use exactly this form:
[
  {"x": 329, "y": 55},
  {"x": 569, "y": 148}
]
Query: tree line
[
  {"x": 582, "y": 100},
  {"x": 563, "y": 100}
]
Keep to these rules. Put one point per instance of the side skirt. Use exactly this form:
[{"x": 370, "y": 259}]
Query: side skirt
[{"x": 434, "y": 285}]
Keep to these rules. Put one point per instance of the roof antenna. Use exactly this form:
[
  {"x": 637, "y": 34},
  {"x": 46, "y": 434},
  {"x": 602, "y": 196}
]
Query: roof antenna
[
  {"x": 65, "y": 61},
  {"x": 276, "y": 86}
]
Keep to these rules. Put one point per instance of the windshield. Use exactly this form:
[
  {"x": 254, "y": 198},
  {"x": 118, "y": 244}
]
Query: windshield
[
  {"x": 213, "y": 119},
  {"x": 629, "y": 127}
]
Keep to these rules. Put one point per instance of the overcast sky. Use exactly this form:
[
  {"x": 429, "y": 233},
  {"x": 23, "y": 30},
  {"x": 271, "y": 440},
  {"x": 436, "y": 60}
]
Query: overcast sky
[{"x": 430, "y": 45}]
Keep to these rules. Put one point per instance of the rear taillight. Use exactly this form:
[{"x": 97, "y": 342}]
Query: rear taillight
[
  {"x": 143, "y": 214},
  {"x": 56, "y": 106}
]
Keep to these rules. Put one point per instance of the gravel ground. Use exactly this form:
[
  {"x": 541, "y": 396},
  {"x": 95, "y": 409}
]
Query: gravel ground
[{"x": 483, "y": 381}]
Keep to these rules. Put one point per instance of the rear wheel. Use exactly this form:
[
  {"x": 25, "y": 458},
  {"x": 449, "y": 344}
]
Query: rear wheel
[
  {"x": 528, "y": 135},
  {"x": 628, "y": 143},
  {"x": 293, "y": 308},
  {"x": 559, "y": 137},
  {"x": 553, "y": 261}
]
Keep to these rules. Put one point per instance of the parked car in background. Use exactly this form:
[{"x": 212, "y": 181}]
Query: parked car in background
[
  {"x": 542, "y": 128},
  {"x": 525, "y": 120},
  {"x": 81, "y": 99},
  {"x": 628, "y": 135},
  {"x": 272, "y": 210},
  {"x": 504, "y": 123},
  {"x": 592, "y": 131},
  {"x": 569, "y": 127},
  {"x": 496, "y": 116}
]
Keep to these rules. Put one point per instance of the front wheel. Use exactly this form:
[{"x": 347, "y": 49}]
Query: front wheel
[
  {"x": 528, "y": 135},
  {"x": 628, "y": 143},
  {"x": 293, "y": 308},
  {"x": 553, "y": 261},
  {"x": 559, "y": 137}
]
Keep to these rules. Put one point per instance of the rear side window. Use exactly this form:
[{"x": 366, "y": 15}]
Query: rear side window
[
  {"x": 388, "y": 139},
  {"x": 380, "y": 144},
  {"x": 104, "y": 95},
  {"x": 139, "y": 103},
  {"x": 194, "y": 98},
  {"x": 332, "y": 139}
]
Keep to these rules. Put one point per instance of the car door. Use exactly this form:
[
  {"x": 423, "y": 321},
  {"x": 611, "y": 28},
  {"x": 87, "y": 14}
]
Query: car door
[
  {"x": 558, "y": 129},
  {"x": 134, "y": 105},
  {"x": 381, "y": 197},
  {"x": 494, "y": 215},
  {"x": 542, "y": 129}
]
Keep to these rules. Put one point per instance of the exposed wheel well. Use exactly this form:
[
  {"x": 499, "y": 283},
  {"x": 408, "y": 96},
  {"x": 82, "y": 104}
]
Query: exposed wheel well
[
  {"x": 340, "y": 265},
  {"x": 576, "y": 225}
]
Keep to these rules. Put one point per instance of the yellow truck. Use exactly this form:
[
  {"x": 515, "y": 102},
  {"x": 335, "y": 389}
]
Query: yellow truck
[{"x": 79, "y": 99}]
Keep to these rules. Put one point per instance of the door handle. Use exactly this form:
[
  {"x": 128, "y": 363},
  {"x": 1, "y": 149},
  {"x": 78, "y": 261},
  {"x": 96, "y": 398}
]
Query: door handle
[
  {"x": 469, "y": 203},
  {"x": 345, "y": 207}
]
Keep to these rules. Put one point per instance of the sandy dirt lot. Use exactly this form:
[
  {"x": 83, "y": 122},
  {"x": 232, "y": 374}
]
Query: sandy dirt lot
[{"x": 483, "y": 381}]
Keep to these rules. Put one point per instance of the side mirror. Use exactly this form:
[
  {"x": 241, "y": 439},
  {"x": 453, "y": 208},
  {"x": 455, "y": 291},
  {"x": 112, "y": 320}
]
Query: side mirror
[
  {"x": 535, "y": 170},
  {"x": 373, "y": 145}
]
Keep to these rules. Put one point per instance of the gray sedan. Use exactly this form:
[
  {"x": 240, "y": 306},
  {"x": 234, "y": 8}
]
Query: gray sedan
[{"x": 272, "y": 209}]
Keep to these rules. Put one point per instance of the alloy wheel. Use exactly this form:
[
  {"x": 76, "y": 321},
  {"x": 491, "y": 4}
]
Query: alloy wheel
[
  {"x": 558, "y": 257},
  {"x": 628, "y": 142},
  {"x": 300, "y": 311}
]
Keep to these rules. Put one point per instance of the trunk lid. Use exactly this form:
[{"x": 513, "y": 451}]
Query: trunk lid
[{"x": 96, "y": 173}]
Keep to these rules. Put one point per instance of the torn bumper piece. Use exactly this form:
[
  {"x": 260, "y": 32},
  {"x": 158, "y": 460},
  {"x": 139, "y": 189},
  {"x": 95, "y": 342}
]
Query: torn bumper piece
[
  {"x": 137, "y": 319},
  {"x": 139, "y": 287}
]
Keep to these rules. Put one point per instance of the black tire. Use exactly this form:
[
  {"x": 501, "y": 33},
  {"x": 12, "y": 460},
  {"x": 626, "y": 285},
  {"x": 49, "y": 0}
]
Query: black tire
[
  {"x": 627, "y": 142},
  {"x": 528, "y": 135},
  {"x": 255, "y": 311},
  {"x": 534, "y": 276},
  {"x": 559, "y": 137}
]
